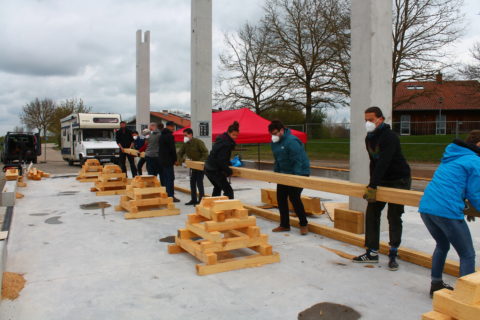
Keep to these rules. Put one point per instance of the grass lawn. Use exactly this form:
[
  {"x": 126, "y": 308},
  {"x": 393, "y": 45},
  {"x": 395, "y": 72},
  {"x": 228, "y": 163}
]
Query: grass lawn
[{"x": 415, "y": 148}]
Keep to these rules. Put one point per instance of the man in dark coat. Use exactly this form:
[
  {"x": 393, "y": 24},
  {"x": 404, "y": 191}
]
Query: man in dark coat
[
  {"x": 168, "y": 156},
  {"x": 125, "y": 141},
  {"x": 388, "y": 168}
]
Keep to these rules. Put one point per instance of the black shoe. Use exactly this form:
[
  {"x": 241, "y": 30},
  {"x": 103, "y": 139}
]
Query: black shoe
[
  {"x": 175, "y": 200},
  {"x": 393, "y": 264},
  {"x": 366, "y": 258},
  {"x": 438, "y": 285},
  {"x": 191, "y": 203}
]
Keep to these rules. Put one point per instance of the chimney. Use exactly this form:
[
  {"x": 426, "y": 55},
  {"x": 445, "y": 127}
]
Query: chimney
[
  {"x": 165, "y": 111},
  {"x": 439, "y": 78}
]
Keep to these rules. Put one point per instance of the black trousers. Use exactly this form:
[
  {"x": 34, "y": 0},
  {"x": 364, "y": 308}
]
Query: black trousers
[
  {"x": 394, "y": 216},
  {"x": 131, "y": 161},
  {"x": 153, "y": 166},
  {"x": 140, "y": 164},
  {"x": 219, "y": 181},
  {"x": 196, "y": 181},
  {"x": 167, "y": 177},
  {"x": 285, "y": 193}
]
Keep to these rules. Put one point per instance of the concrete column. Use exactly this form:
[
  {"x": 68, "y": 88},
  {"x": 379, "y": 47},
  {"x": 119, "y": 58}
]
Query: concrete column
[
  {"x": 201, "y": 70},
  {"x": 371, "y": 24},
  {"x": 143, "y": 80}
]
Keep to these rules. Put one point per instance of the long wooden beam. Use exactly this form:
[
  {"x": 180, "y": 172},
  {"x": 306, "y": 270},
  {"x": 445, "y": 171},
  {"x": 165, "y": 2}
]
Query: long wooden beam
[
  {"x": 399, "y": 196},
  {"x": 413, "y": 256}
]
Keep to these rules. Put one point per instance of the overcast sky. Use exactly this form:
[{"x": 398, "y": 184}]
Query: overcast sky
[{"x": 86, "y": 49}]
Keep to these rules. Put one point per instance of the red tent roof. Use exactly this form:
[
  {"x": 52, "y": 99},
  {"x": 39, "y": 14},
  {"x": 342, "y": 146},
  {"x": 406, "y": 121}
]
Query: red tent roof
[{"x": 253, "y": 128}]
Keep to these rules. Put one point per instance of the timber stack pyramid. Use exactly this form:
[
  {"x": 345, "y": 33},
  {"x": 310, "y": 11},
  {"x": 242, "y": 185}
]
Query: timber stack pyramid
[
  {"x": 461, "y": 303},
  {"x": 145, "y": 198},
  {"x": 36, "y": 174},
  {"x": 222, "y": 235},
  {"x": 111, "y": 181},
  {"x": 90, "y": 171}
]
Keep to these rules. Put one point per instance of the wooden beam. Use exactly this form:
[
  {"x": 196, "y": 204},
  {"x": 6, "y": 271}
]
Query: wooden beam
[{"x": 399, "y": 196}]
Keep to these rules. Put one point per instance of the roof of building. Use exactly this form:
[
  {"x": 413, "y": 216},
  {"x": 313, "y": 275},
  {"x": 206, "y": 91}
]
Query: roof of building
[
  {"x": 438, "y": 95},
  {"x": 175, "y": 118}
]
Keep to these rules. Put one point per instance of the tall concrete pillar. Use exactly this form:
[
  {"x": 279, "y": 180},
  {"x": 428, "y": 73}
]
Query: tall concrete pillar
[
  {"x": 143, "y": 80},
  {"x": 201, "y": 70},
  {"x": 371, "y": 25}
]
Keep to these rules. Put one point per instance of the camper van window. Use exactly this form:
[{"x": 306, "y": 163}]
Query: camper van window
[
  {"x": 105, "y": 120},
  {"x": 97, "y": 135}
]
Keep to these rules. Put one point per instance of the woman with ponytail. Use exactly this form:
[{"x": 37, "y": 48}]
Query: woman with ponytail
[{"x": 217, "y": 166}]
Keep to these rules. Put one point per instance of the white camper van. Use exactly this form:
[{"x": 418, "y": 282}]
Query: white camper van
[{"x": 88, "y": 136}]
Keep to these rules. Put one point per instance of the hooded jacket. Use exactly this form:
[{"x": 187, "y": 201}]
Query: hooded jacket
[
  {"x": 387, "y": 162},
  {"x": 166, "y": 148},
  {"x": 456, "y": 179},
  {"x": 219, "y": 157},
  {"x": 290, "y": 156}
]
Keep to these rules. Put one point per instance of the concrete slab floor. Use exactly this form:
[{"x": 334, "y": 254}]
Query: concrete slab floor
[{"x": 81, "y": 265}]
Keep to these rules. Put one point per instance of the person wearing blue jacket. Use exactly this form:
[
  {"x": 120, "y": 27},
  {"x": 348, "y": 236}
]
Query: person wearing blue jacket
[
  {"x": 290, "y": 158},
  {"x": 443, "y": 203}
]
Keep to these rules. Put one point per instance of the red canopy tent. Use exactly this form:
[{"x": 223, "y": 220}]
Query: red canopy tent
[{"x": 253, "y": 128}]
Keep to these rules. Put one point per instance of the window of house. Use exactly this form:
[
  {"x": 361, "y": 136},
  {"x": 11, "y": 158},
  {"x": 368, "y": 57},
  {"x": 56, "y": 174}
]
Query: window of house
[
  {"x": 405, "y": 124},
  {"x": 441, "y": 124}
]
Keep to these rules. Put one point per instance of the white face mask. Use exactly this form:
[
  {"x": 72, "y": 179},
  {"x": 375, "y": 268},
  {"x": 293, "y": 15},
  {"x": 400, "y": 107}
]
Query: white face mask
[
  {"x": 135, "y": 137},
  {"x": 147, "y": 136},
  {"x": 370, "y": 126},
  {"x": 275, "y": 139},
  {"x": 186, "y": 139}
]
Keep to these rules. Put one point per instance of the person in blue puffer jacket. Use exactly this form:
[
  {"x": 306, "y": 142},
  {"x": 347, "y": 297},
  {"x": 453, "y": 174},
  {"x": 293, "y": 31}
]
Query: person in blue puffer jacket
[
  {"x": 442, "y": 206},
  {"x": 290, "y": 158}
]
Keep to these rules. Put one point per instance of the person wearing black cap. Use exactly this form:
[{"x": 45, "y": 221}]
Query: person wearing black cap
[
  {"x": 125, "y": 140},
  {"x": 168, "y": 157}
]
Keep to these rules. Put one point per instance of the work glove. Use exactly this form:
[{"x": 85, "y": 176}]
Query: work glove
[
  {"x": 470, "y": 211},
  {"x": 370, "y": 195}
]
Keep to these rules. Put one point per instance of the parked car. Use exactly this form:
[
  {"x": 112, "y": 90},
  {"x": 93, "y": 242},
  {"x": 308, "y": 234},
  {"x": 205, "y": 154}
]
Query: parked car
[{"x": 21, "y": 147}]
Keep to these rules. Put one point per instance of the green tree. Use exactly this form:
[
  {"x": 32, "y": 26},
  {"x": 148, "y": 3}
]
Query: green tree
[{"x": 66, "y": 108}]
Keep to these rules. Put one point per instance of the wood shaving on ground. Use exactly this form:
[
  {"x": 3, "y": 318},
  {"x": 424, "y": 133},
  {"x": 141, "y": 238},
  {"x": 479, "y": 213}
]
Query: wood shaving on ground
[
  {"x": 340, "y": 253},
  {"x": 12, "y": 285}
]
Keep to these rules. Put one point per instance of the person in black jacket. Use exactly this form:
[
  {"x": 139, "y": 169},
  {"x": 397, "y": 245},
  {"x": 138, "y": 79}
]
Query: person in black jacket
[
  {"x": 217, "y": 165},
  {"x": 388, "y": 168},
  {"x": 125, "y": 141},
  {"x": 168, "y": 157}
]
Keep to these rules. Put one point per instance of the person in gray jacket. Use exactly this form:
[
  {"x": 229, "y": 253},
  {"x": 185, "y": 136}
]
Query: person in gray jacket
[{"x": 152, "y": 152}]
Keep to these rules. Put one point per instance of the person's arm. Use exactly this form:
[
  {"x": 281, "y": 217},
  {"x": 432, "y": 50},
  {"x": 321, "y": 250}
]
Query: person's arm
[
  {"x": 222, "y": 158},
  {"x": 173, "y": 150},
  {"x": 181, "y": 154},
  {"x": 295, "y": 153},
  {"x": 473, "y": 186},
  {"x": 117, "y": 139},
  {"x": 387, "y": 150},
  {"x": 203, "y": 150},
  {"x": 144, "y": 147}
]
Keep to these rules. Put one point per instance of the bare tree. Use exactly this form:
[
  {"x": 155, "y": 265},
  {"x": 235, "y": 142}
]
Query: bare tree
[
  {"x": 18, "y": 129},
  {"x": 304, "y": 44},
  {"x": 422, "y": 29},
  {"x": 248, "y": 77},
  {"x": 472, "y": 71},
  {"x": 39, "y": 114}
]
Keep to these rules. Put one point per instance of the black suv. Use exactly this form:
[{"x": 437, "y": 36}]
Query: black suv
[{"x": 21, "y": 146}]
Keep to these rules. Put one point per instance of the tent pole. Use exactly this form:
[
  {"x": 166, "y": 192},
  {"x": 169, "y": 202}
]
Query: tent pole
[{"x": 258, "y": 163}]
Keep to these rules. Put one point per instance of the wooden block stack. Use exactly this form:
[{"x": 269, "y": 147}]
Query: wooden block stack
[
  {"x": 145, "y": 198},
  {"x": 111, "y": 181},
  {"x": 349, "y": 220},
  {"x": 91, "y": 169},
  {"x": 312, "y": 205},
  {"x": 222, "y": 235},
  {"x": 36, "y": 174},
  {"x": 461, "y": 303},
  {"x": 11, "y": 174}
]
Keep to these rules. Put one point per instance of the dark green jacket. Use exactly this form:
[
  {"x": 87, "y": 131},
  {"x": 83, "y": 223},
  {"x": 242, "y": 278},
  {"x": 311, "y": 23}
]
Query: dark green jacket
[
  {"x": 194, "y": 149},
  {"x": 290, "y": 156}
]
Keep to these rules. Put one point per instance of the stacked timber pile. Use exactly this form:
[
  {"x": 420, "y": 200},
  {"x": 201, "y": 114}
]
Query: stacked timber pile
[
  {"x": 111, "y": 181},
  {"x": 90, "y": 171},
  {"x": 145, "y": 198},
  {"x": 36, "y": 174},
  {"x": 461, "y": 303},
  {"x": 222, "y": 235},
  {"x": 11, "y": 174}
]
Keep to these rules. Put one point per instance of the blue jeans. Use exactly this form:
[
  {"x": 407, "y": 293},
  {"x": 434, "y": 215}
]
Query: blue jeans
[{"x": 446, "y": 231}]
